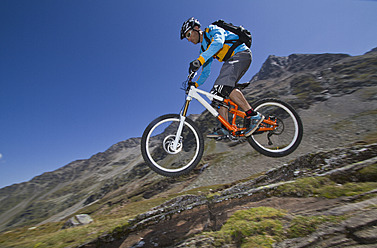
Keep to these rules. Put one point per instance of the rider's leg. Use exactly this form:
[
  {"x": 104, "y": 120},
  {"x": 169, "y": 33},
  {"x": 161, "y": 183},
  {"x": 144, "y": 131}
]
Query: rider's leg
[
  {"x": 223, "y": 112},
  {"x": 237, "y": 97},
  {"x": 223, "y": 91},
  {"x": 252, "y": 119},
  {"x": 221, "y": 131},
  {"x": 230, "y": 73}
]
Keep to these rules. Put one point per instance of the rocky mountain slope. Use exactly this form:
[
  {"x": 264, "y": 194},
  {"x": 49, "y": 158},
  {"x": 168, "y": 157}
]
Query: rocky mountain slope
[
  {"x": 335, "y": 95},
  {"x": 315, "y": 188}
]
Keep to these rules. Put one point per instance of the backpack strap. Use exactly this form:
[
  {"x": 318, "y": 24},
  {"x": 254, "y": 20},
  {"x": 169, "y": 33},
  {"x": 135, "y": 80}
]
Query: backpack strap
[
  {"x": 207, "y": 39},
  {"x": 236, "y": 43}
]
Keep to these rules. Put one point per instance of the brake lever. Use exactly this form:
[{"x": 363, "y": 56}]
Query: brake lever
[
  {"x": 189, "y": 84},
  {"x": 189, "y": 81},
  {"x": 191, "y": 76}
]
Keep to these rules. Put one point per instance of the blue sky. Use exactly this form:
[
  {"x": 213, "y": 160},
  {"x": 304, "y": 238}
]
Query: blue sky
[{"x": 78, "y": 76}]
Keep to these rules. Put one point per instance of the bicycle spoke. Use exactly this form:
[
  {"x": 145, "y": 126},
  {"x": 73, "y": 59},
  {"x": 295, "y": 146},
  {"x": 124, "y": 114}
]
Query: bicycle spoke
[
  {"x": 286, "y": 134},
  {"x": 159, "y": 149}
]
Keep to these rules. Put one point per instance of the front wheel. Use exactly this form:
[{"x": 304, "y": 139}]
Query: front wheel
[
  {"x": 158, "y": 150},
  {"x": 286, "y": 136}
]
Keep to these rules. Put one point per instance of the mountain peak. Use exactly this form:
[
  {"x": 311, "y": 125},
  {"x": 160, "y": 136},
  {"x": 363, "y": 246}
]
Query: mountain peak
[
  {"x": 374, "y": 50},
  {"x": 276, "y": 66}
]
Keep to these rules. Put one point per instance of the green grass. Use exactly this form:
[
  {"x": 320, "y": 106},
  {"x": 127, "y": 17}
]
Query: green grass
[
  {"x": 323, "y": 187},
  {"x": 261, "y": 227},
  {"x": 302, "y": 226},
  {"x": 369, "y": 173}
]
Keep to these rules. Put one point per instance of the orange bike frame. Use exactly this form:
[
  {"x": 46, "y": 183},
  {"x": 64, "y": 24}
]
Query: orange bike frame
[{"x": 267, "y": 125}]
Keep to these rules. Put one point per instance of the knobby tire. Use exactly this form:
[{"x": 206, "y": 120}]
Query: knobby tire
[
  {"x": 259, "y": 141},
  {"x": 155, "y": 146}
]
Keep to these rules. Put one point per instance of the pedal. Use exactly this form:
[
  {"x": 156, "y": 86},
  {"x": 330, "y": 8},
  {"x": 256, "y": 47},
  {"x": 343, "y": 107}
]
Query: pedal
[
  {"x": 224, "y": 137},
  {"x": 221, "y": 138},
  {"x": 218, "y": 137},
  {"x": 239, "y": 132}
]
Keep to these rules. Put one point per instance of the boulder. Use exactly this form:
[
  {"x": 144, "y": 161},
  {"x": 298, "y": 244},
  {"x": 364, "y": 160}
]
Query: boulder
[{"x": 78, "y": 220}]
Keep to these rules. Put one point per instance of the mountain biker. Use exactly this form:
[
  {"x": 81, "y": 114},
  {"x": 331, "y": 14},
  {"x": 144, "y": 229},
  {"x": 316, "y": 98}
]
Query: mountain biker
[{"x": 213, "y": 45}]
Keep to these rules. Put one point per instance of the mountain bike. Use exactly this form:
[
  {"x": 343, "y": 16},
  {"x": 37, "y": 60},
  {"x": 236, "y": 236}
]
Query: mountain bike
[{"x": 172, "y": 145}]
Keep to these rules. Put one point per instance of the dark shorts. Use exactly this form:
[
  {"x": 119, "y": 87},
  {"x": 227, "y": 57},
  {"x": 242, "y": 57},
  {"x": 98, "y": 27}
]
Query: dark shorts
[
  {"x": 231, "y": 72},
  {"x": 222, "y": 90}
]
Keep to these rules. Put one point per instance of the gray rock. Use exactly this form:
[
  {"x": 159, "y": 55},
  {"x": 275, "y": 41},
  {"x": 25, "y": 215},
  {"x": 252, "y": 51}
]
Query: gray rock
[{"x": 78, "y": 220}]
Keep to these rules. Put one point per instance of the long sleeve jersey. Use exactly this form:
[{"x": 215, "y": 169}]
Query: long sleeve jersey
[{"x": 216, "y": 48}]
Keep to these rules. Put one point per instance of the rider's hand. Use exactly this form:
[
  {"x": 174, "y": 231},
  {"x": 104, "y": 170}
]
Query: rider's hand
[
  {"x": 195, "y": 84},
  {"x": 194, "y": 66}
]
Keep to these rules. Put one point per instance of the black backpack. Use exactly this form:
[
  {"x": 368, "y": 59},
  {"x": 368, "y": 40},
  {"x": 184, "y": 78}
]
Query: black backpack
[{"x": 243, "y": 34}]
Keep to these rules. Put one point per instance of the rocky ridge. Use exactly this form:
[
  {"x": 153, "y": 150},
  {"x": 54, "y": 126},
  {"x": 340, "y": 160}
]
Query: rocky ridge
[{"x": 275, "y": 66}]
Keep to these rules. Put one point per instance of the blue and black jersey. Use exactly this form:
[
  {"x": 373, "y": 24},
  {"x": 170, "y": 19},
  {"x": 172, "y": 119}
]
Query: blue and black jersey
[{"x": 214, "y": 46}]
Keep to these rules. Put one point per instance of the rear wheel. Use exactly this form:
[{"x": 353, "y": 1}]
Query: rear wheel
[
  {"x": 157, "y": 146},
  {"x": 286, "y": 137}
]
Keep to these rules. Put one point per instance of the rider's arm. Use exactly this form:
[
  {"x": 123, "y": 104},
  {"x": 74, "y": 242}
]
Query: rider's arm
[
  {"x": 217, "y": 36},
  {"x": 206, "y": 57},
  {"x": 205, "y": 72}
]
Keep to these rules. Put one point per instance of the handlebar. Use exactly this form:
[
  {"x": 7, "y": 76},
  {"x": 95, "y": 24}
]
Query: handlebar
[
  {"x": 191, "y": 76},
  {"x": 188, "y": 83}
]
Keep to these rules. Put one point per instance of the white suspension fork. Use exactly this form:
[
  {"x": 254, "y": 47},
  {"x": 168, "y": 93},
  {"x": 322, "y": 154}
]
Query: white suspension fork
[
  {"x": 194, "y": 93},
  {"x": 182, "y": 119},
  {"x": 179, "y": 132}
]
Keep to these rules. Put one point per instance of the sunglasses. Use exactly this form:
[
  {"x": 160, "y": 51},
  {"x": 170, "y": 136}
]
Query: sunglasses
[{"x": 188, "y": 34}]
